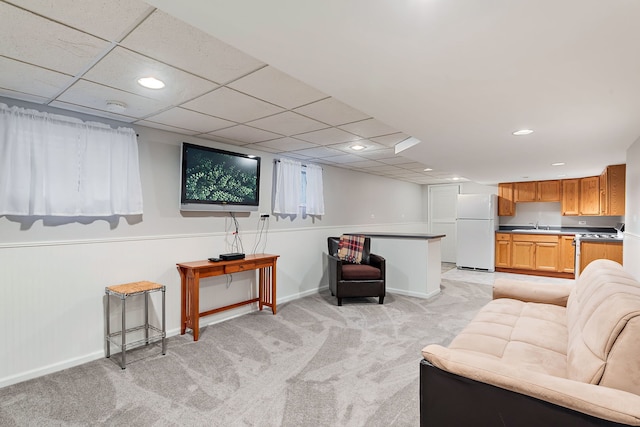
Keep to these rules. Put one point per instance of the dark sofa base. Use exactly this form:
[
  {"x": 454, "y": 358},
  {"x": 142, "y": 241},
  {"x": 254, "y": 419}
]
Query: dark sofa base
[{"x": 447, "y": 399}]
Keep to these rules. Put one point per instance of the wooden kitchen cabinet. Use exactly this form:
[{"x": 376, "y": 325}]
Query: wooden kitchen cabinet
[
  {"x": 567, "y": 253},
  {"x": 549, "y": 191},
  {"x": 581, "y": 196},
  {"x": 535, "y": 252},
  {"x": 570, "y": 197},
  {"x": 503, "y": 250},
  {"x": 537, "y": 191},
  {"x": 590, "y": 196},
  {"x": 525, "y": 191},
  {"x": 523, "y": 255},
  {"x": 590, "y": 251},
  {"x": 546, "y": 256},
  {"x": 506, "y": 204},
  {"x": 612, "y": 190}
]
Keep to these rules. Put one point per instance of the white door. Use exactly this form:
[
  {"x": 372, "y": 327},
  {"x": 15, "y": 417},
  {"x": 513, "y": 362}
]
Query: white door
[{"x": 443, "y": 200}]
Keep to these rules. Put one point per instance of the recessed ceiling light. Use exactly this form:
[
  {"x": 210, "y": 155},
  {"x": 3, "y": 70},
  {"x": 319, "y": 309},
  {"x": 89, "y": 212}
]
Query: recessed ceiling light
[
  {"x": 523, "y": 132},
  {"x": 151, "y": 82},
  {"x": 357, "y": 147},
  {"x": 558, "y": 164},
  {"x": 562, "y": 175},
  {"x": 455, "y": 178},
  {"x": 427, "y": 169}
]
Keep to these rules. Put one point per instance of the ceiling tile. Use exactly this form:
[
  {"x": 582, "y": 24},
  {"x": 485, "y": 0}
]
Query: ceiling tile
[
  {"x": 328, "y": 136},
  {"x": 232, "y": 105},
  {"x": 22, "y": 96},
  {"x": 287, "y": 123},
  {"x": 187, "y": 119},
  {"x": 331, "y": 111},
  {"x": 29, "y": 79},
  {"x": 170, "y": 40},
  {"x": 91, "y": 111},
  {"x": 245, "y": 134},
  {"x": 384, "y": 153},
  {"x": 106, "y": 19},
  {"x": 369, "y": 128},
  {"x": 258, "y": 146},
  {"x": 318, "y": 152},
  {"x": 122, "y": 68},
  {"x": 286, "y": 144},
  {"x": 391, "y": 140},
  {"x": 35, "y": 40},
  {"x": 217, "y": 138},
  {"x": 295, "y": 155},
  {"x": 167, "y": 128},
  {"x": 343, "y": 158},
  {"x": 278, "y": 88},
  {"x": 365, "y": 164},
  {"x": 395, "y": 161},
  {"x": 95, "y": 96},
  {"x": 414, "y": 166}
]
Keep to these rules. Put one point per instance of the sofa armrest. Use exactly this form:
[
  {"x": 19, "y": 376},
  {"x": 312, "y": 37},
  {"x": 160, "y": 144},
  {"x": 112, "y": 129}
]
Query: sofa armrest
[
  {"x": 547, "y": 293},
  {"x": 598, "y": 401}
]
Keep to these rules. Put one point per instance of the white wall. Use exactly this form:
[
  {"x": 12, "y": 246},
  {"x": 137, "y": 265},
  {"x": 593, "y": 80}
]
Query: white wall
[
  {"x": 53, "y": 271},
  {"x": 631, "y": 250}
]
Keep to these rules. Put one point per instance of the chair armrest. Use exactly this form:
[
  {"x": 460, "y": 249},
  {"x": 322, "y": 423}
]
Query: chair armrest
[
  {"x": 548, "y": 293},
  {"x": 598, "y": 401},
  {"x": 376, "y": 260}
]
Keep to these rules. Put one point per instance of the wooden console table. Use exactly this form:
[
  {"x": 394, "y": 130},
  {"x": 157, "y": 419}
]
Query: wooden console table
[{"x": 191, "y": 272}]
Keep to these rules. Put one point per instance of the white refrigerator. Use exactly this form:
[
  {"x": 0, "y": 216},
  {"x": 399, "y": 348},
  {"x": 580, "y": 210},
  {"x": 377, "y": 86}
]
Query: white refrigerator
[{"x": 476, "y": 224}]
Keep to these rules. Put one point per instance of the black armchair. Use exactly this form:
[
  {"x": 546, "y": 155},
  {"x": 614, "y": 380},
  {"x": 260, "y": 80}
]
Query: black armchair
[{"x": 366, "y": 279}]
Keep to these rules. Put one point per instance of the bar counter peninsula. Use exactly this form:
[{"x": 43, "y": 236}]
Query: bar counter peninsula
[{"x": 413, "y": 261}]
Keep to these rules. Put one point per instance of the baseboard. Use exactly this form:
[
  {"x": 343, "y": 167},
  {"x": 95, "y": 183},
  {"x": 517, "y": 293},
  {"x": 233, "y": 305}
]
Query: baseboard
[{"x": 414, "y": 294}]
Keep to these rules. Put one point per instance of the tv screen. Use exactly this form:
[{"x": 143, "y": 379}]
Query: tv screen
[{"x": 218, "y": 180}]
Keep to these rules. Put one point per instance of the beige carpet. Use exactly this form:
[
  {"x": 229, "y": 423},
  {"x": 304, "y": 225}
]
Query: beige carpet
[{"x": 313, "y": 364}]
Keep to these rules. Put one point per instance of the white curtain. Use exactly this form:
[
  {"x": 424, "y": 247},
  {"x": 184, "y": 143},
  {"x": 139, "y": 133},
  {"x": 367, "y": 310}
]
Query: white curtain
[
  {"x": 287, "y": 198},
  {"x": 62, "y": 166},
  {"x": 314, "y": 195}
]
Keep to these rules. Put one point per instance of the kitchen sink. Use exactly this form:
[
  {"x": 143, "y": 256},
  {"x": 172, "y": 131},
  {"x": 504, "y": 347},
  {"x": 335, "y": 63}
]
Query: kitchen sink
[{"x": 536, "y": 231}]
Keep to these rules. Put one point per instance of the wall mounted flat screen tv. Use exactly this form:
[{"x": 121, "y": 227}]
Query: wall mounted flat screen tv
[{"x": 218, "y": 180}]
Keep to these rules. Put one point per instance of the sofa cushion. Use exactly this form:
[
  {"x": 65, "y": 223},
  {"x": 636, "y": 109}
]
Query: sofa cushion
[
  {"x": 603, "y": 320},
  {"x": 526, "y": 335}
]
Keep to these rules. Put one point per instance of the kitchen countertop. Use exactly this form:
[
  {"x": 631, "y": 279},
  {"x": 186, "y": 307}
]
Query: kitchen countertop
[
  {"x": 566, "y": 231},
  {"x": 403, "y": 235}
]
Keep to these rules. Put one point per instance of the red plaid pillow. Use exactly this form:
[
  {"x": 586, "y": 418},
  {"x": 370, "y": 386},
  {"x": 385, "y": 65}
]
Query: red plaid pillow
[{"x": 350, "y": 248}]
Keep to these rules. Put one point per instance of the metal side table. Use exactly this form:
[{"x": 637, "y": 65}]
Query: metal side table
[{"x": 151, "y": 333}]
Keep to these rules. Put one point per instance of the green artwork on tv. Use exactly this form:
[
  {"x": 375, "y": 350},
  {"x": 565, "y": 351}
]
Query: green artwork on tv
[{"x": 219, "y": 177}]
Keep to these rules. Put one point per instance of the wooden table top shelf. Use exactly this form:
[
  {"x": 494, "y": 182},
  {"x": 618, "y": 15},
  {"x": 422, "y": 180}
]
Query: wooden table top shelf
[{"x": 192, "y": 271}]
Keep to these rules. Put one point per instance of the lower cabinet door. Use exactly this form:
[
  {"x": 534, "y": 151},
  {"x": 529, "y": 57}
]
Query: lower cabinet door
[
  {"x": 546, "y": 257},
  {"x": 523, "y": 255}
]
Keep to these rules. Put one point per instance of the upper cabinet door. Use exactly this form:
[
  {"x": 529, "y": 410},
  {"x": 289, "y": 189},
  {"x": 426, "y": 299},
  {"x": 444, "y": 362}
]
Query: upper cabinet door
[
  {"x": 590, "y": 195},
  {"x": 506, "y": 205},
  {"x": 526, "y": 191},
  {"x": 549, "y": 191},
  {"x": 570, "y": 197}
]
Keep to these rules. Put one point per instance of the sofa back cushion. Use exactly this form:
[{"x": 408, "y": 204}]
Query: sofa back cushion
[{"x": 603, "y": 321}]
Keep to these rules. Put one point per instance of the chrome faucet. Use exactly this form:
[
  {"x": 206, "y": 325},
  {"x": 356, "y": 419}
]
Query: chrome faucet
[{"x": 535, "y": 226}]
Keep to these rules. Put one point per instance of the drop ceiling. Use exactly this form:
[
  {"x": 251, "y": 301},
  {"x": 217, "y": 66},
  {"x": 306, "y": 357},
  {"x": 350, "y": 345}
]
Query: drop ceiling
[{"x": 307, "y": 80}]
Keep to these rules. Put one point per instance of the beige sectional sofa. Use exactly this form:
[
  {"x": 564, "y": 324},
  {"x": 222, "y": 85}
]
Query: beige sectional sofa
[{"x": 542, "y": 354}]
